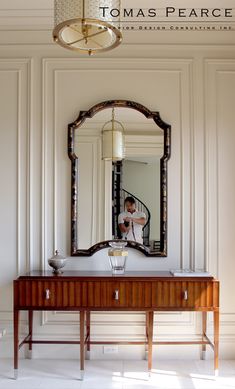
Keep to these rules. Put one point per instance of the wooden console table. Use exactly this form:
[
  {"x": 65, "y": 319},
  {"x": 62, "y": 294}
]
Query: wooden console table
[{"x": 93, "y": 291}]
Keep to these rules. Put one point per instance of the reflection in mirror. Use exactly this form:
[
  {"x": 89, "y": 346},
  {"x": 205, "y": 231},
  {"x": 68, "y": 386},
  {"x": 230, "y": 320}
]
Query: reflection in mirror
[
  {"x": 100, "y": 187},
  {"x": 138, "y": 176},
  {"x": 140, "y": 180}
]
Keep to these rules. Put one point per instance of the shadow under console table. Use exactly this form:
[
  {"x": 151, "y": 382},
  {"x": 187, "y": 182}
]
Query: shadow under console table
[{"x": 93, "y": 291}]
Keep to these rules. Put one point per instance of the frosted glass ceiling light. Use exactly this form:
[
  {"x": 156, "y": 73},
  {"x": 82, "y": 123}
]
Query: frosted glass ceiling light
[
  {"x": 80, "y": 25},
  {"x": 113, "y": 140}
]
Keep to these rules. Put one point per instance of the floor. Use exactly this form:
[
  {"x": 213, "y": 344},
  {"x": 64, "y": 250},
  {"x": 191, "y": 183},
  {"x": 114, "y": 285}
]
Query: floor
[{"x": 167, "y": 374}]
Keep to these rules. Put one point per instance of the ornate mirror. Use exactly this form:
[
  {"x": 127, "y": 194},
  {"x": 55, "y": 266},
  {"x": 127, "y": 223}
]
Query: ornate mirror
[{"x": 102, "y": 187}]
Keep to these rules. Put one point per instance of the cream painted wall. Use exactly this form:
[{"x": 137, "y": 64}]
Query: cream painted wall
[{"x": 44, "y": 89}]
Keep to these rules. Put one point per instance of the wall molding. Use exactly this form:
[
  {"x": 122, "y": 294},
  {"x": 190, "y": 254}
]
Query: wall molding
[
  {"x": 216, "y": 257},
  {"x": 22, "y": 67},
  {"x": 212, "y": 68},
  {"x": 196, "y": 84},
  {"x": 182, "y": 69}
]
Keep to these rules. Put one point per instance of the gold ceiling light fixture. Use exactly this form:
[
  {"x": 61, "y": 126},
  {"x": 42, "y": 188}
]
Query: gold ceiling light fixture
[
  {"x": 113, "y": 141},
  {"x": 80, "y": 25}
]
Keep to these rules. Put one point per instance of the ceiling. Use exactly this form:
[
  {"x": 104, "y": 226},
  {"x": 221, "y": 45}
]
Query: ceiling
[{"x": 34, "y": 15}]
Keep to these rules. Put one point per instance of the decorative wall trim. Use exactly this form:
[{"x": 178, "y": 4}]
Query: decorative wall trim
[
  {"x": 181, "y": 68},
  {"x": 22, "y": 68},
  {"x": 213, "y": 68},
  {"x": 132, "y": 324},
  {"x": 218, "y": 259},
  {"x": 211, "y": 144},
  {"x": 199, "y": 103},
  {"x": 52, "y": 68}
]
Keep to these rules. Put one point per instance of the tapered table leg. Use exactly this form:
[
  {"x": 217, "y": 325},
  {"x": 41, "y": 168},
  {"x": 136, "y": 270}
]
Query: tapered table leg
[
  {"x": 88, "y": 325},
  {"x": 147, "y": 333},
  {"x": 30, "y": 319},
  {"x": 82, "y": 343},
  {"x": 204, "y": 325},
  {"x": 150, "y": 340},
  {"x": 216, "y": 342},
  {"x": 16, "y": 342}
]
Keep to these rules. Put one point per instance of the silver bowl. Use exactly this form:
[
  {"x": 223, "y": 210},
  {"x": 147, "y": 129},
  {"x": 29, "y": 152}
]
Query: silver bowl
[{"x": 57, "y": 262}]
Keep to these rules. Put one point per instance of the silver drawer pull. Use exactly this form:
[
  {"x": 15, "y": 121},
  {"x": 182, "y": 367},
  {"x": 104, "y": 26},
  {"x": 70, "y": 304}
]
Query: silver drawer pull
[
  {"x": 116, "y": 294},
  {"x": 185, "y": 295},
  {"x": 47, "y": 294}
]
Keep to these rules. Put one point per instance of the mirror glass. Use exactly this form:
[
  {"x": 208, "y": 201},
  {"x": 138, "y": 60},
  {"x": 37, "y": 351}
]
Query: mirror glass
[
  {"x": 141, "y": 181},
  {"x": 101, "y": 188}
]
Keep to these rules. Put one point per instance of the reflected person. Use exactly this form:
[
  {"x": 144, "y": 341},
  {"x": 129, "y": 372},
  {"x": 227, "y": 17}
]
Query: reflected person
[{"x": 131, "y": 221}]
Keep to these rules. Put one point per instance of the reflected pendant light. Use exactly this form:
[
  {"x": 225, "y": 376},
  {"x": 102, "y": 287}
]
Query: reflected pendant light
[
  {"x": 113, "y": 140},
  {"x": 82, "y": 25}
]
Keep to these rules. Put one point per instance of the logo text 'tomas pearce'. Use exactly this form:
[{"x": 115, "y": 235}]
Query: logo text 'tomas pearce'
[{"x": 167, "y": 12}]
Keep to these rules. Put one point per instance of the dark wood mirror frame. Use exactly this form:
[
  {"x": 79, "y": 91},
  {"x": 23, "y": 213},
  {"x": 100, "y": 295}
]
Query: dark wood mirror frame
[{"x": 83, "y": 115}]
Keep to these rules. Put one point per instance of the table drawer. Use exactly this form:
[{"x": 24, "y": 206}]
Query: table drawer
[
  {"x": 156, "y": 295},
  {"x": 184, "y": 294},
  {"x": 48, "y": 294},
  {"x": 81, "y": 294}
]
